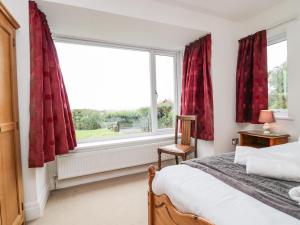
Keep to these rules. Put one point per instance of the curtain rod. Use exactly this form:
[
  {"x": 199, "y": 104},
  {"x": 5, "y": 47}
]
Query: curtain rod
[{"x": 282, "y": 23}]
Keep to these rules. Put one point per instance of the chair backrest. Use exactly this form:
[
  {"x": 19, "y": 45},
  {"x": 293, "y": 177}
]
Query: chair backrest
[{"x": 186, "y": 129}]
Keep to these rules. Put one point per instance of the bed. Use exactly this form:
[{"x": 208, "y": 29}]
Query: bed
[{"x": 187, "y": 195}]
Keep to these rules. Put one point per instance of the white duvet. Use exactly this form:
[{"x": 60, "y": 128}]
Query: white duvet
[{"x": 193, "y": 191}]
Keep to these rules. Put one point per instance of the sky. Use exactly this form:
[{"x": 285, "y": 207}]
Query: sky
[
  {"x": 277, "y": 54},
  {"x": 106, "y": 78}
]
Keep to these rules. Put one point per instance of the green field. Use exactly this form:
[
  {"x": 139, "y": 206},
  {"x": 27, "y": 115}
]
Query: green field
[{"x": 98, "y": 133}]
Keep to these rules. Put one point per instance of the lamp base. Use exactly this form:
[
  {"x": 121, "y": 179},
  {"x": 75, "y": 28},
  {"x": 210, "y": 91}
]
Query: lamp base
[{"x": 266, "y": 128}]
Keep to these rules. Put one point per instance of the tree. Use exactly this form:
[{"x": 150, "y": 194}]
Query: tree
[
  {"x": 278, "y": 87},
  {"x": 87, "y": 119},
  {"x": 165, "y": 114}
]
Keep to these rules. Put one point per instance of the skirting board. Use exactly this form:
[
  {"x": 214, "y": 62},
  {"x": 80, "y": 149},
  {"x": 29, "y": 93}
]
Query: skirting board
[
  {"x": 105, "y": 175},
  {"x": 35, "y": 210}
]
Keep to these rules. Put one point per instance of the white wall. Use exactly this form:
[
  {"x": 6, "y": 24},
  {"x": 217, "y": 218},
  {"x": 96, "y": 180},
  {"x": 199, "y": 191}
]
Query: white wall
[
  {"x": 33, "y": 182},
  {"x": 95, "y": 25},
  {"x": 276, "y": 15}
]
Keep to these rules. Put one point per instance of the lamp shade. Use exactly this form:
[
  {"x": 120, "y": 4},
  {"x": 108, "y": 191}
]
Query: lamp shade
[{"x": 266, "y": 116}]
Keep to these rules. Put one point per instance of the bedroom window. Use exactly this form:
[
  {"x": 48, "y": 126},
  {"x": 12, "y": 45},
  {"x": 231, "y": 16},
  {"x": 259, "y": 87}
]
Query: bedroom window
[
  {"x": 277, "y": 76},
  {"x": 116, "y": 91}
]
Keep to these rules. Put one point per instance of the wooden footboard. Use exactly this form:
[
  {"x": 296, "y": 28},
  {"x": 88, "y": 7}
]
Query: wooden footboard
[{"x": 162, "y": 212}]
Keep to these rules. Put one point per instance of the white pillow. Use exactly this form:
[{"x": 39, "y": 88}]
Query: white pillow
[
  {"x": 290, "y": 150},
  {"x": 278, "y": 167},
  {"x": 242, "y": 153}
]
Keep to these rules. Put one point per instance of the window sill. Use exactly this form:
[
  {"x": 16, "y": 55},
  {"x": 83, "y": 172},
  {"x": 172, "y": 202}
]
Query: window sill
[
  {"x": 101, "y": 145},
  {"x": 283, "y": 118}
]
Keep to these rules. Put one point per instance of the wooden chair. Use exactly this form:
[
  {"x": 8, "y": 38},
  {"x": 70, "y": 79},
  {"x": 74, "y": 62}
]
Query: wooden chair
[{"x": 185, "y": 147}]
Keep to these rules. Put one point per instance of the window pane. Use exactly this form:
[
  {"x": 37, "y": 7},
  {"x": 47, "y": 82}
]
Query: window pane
[
  {"x": 165, "y": 91},
  {"x": 277, "y": 68},
  {"x": 108, "y": 89}
]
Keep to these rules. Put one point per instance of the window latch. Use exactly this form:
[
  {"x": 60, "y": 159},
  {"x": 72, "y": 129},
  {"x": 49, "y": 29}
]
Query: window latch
[{"x": 156, "y": 93}]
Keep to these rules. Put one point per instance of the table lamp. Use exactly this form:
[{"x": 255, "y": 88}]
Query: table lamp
[{"x": 266, "y": 117}]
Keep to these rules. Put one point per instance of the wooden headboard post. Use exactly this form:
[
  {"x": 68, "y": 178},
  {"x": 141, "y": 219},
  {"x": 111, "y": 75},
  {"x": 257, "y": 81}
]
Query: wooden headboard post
[{"x": 151, "y": 174}]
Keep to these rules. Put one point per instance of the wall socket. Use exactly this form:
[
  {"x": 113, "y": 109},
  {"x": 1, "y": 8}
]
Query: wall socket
[{"x": 235, "y": 141}]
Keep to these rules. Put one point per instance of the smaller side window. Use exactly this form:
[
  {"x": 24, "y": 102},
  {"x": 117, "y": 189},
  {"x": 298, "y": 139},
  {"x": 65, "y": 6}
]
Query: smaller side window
[
  {"x": 165, "y": 91},
  {"x": 277, "y": 77}
]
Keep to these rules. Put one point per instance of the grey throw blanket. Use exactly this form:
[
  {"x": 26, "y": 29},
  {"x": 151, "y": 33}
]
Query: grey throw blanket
[{"x": 269, "y": 191}]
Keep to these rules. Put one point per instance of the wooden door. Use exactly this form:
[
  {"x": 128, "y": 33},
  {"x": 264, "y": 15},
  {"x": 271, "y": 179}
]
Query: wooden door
[{"x": 11, "y": 197}]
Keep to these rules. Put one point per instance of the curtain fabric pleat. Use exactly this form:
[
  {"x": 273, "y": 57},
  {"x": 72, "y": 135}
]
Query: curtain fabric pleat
[
  {"x": 197, "y": 94},
  {"x": 252, "y": 78},
  {"x": 51, "y": 126}
]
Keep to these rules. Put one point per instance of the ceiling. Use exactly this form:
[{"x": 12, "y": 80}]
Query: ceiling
[{"x": 236, "y": 10}]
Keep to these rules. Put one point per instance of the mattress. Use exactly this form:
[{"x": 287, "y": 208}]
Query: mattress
[{"x": 194, "y": 191}]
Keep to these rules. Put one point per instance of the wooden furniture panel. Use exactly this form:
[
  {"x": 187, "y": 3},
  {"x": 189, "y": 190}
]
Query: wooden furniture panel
[
  {"x": 5, "y": 70},
  {"x": 1, "y": 202},
  {"x": 11, "y": 190},
  {"x": 9, "y": 177},
  {"x": 186, "y": 132},
  {"x": 162, "y": 212},
  {"x": 259, "y": 140}
]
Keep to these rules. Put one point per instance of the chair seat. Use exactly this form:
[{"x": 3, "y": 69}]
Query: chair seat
[{"x": 176, "y": 149}]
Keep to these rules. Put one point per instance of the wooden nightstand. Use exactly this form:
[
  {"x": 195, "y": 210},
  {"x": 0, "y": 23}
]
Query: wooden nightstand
[{"x": 258, "y": 139}]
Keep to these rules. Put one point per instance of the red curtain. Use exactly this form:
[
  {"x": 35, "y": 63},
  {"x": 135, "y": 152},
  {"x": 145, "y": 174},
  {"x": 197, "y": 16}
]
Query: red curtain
[
  {"x": 197, "y": 97},
  {"x": 252, "y": 78},
  {"x": 51, "y": 126}
]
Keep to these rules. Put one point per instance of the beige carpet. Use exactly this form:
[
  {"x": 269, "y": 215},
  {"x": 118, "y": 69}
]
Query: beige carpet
[{"x": 120, "y": 201}]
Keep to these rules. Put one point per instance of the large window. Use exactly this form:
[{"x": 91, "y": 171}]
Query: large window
[
  {"x": 277, "y": 79},
  {"x": 117, "y": 92}
]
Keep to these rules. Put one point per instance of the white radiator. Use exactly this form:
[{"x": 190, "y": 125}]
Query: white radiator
[{"x": 95, "y": 160}]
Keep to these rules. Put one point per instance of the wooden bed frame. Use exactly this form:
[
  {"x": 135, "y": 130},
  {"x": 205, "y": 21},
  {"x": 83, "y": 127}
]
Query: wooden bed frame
[{"x": 162, "y": 212}]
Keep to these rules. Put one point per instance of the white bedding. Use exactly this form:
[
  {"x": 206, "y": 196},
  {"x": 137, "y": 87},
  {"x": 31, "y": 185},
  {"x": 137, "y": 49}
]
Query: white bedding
[{"x": 194, "y": 191}]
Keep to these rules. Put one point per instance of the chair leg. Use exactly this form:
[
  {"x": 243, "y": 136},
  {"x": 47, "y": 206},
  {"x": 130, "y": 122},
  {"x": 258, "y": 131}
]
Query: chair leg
[
  {"x": 176, "y": 159},
  {"x": 196, "y": 153},
  {"x": 184, "y": 157},
  {"x": 159, "y": 159}
]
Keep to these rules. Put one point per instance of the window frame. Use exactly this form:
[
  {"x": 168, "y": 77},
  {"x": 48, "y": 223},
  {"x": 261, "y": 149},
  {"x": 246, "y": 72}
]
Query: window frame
[
  {"x": 275, "y": 38},
  {"x": 152, "y": 76}
]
